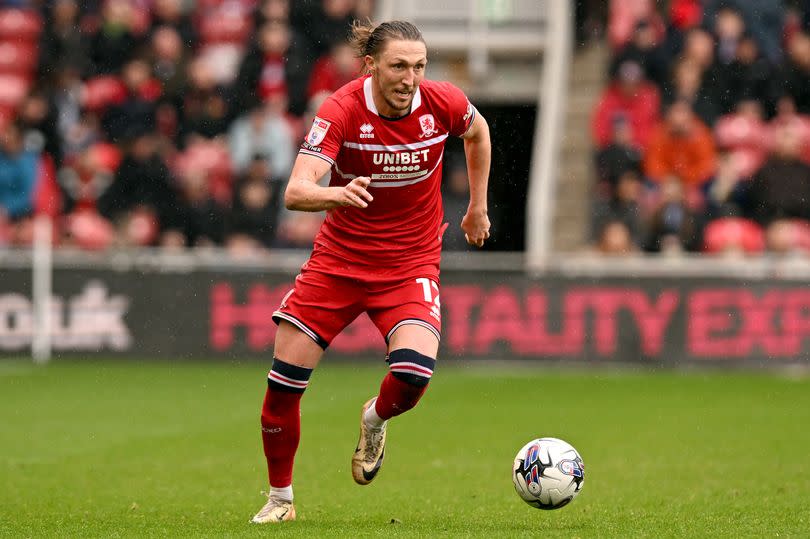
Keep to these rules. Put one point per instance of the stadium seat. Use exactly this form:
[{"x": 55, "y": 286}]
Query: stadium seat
[
  {"x": 733, "y": 234},
  {"x": 105, "y": 156},
  {"x": 13, "y": 89},
  {"x": 212, "y": 159},
  {"x": 801, "y": 235},
  {"x": 18, "y": 57},
  {"x": 90, "y": 230},
  {"x": 228, "y": 27},
  {"x": 223, "y": 60},
  {"x": 18, "y": 24},
  {"x": 101, "y": 92}
]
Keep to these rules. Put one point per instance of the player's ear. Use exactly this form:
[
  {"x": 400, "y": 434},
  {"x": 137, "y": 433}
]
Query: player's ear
[{"x": 370, "y": 63}]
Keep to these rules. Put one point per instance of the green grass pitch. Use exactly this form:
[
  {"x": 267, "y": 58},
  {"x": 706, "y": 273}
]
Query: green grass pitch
[{"x": 164, "y": 449}]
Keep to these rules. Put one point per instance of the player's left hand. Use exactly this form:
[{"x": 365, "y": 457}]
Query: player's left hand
[{"x": 475, "y": 225}]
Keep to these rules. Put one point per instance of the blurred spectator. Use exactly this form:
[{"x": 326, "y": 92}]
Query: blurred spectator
[
  {"x": 170, "y": 13},
  {"x": 262, "y": 132},
  {"x": 629, "y": 95},
  {"x": 645, "y": 50},
  {"x": 681, "y": 146},
  {"x": 205, "y": 112},
  {"x": 747, "y": 77},
  {"x": 615, "y": 240},
  {"x": 67, "y": 100},
  {"x": 136, "y": 113},
  {"x": 18, "y": 175},
  {"x": 272, "y": 11},
  {"x": 619, "y": 156},
  {"x": 781, "y": 188},
  {"x": 622, "y": 206},
  {"x": 674, "y": 227},
  {"x": 113, "y": 44},
  {"x": 687, "y": 85},
  {"x": 765, "y": 20},
  {"x": 90, "y": 174},
  {"x": 275, "y": 64},
  {"x": 252, "y": 219},
  {"x": 324, "y": 21},
  {"x": 794, "y": 77},
  {"x": 62, "y": 44},
  {"x": 196, "y": 220},
  {"x": 725, "y": 194},
  {"x": 623, "y": 17},
  {"x": 333, "y": 70},
  {"x": 729, "y": 28},
  {"x": 38, "y": 121},
  {"x": 141, "y": 191},
  {"x": 169, "y": 61}
]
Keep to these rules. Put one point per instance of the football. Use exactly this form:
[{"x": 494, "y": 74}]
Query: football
[{"x": 548, "y": 473}]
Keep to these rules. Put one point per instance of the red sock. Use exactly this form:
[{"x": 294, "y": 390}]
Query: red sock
[
  {"x": 281, "y": 420},
  {"x": 396, "y": 397},
  {"x": 281, "y": 431},
  {"x": 405, "y": 383}
]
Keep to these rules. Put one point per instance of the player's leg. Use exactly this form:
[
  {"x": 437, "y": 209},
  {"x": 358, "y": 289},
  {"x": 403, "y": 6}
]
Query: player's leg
[
  {"x": 408, "y": 314},
  {"x": 295, "y": 357},
  {"x": 411, "y": 358},
  {"x": 309, "y": 318}
]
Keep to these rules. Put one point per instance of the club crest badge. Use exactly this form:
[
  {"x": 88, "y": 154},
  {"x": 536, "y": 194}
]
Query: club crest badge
[
  {"x": 428, "y": 125},
  {"x": 318, "y": 131}
]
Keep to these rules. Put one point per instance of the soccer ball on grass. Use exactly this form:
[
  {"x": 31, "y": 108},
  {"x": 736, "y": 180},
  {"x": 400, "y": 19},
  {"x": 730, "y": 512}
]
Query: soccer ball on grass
[{"x": 548, "y": 473}]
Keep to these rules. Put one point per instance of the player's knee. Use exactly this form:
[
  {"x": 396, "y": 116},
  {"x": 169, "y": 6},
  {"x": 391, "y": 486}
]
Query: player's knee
[
  {"x": 411, "y": 367},
  {"x": 286, "y": 384}
]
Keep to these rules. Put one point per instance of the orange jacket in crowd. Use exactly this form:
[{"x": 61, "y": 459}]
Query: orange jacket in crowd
[{"x": 692, "y": 157}]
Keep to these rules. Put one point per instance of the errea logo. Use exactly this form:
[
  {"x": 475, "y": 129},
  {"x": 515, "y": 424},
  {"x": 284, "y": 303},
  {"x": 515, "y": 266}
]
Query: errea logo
[{"x": 366, "y": 131}]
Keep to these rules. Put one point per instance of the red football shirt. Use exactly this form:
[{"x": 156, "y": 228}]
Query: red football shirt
[{"x": 401, "y": 227}]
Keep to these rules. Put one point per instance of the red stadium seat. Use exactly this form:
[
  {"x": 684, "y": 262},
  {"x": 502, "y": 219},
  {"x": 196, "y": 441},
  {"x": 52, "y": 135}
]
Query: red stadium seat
[
  {"x": 228, "y": 27},
  {"x": 105, "y": 156},
  {"x": 733, "y": 234},
  {"x": 13, "y": 89},
  {"x": 737, "y": 130},
  {"x": 801, "y": 235},
  {"x": 212, "y": 159},
  {"x": 139, "y": 21},
  {"x": 18, "y": 57},
  {"x": 20, "y": 24},
  {"x": 103, "y": 91},
  {"x": 90, "y": 230}
]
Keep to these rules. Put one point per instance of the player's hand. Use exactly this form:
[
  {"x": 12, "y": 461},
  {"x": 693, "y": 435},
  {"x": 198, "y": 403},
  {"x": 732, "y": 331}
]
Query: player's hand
[
  {"x": 355, "y": 193},
  {"x": 475, "y": 225}
]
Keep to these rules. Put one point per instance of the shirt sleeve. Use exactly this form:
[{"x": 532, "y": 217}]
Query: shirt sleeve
[
  {"x": 325, "y": 137},
  {"x": 460, "y": 111}
]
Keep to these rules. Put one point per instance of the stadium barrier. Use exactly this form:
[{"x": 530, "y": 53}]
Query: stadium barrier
[{"x": 147, "y": 306}]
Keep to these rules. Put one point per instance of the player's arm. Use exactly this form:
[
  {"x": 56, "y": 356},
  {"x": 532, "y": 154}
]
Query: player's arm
[
  {"x": 478, "y": 151},
  {"x": 304, "y": 194}
]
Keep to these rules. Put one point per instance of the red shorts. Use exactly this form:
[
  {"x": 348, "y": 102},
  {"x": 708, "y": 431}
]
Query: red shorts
[{"x": 322, "y": 304}]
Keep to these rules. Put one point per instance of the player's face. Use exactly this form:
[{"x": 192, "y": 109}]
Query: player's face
[{"x": 397, "y": 73}]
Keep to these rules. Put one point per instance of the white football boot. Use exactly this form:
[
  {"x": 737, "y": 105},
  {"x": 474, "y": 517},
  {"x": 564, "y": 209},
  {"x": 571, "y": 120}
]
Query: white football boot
[
  {"x": 275, "y": 510},
  {"x": 368, "y": 457}
]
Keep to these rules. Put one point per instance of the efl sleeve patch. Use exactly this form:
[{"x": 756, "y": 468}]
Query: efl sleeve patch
[{"x": 318, "y": 131}]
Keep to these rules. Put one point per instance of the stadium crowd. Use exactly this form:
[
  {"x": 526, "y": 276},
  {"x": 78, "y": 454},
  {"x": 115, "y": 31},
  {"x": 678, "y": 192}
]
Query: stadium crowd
[
  {"x": 702, "y": 134},
  {"x": 163, "y": 122}
]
